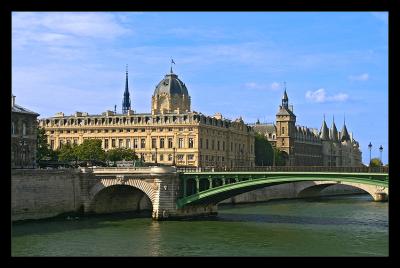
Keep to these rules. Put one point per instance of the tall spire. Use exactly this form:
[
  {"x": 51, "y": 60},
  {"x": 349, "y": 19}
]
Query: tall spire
[
  {"x": 126, "y": 102},
  {"x": 285, "y": 99}
]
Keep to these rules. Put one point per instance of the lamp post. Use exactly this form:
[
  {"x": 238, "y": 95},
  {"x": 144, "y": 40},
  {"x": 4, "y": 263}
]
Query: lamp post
[
  {"x": 381, "y": 150},
  {"x": 173, "y": 158},
  {"x": 369, "y": 147},
  {"x": 156, "y": 156}
]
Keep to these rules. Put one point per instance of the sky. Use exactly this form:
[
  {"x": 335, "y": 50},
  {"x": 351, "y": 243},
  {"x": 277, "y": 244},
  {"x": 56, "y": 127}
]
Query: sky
[{"x": 333, "y": 63}]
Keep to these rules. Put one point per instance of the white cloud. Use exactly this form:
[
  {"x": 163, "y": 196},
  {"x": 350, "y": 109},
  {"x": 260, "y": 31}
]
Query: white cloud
[
  {"x": 361, "y": 77},
  {"x": 320, "y": 96},
  {"x": 58, "y": 27},
  {"x": 275, "y": 86},
  {"x": 254, "y": 85}
]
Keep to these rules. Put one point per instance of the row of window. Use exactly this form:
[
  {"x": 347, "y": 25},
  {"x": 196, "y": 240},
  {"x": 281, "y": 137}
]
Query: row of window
[
  {"x": 239, "y": 147},
  {"x": 169, "y": 157},
  {"x": 16, "y": 130},
  {"x": 68, "y": 131}
]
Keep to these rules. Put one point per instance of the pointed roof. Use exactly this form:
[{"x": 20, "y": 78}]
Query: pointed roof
[
  {"x": 334, "y": 132},
  {"x": 345, "y": 134},
  {"x": 126, "y": 101},
  {"x": 324, "y": 133},
  {"x": 285, "y": 97}
]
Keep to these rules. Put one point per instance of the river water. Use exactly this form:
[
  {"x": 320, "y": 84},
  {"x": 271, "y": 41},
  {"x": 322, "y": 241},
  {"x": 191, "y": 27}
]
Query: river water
[{"x": 329, "y": 226}]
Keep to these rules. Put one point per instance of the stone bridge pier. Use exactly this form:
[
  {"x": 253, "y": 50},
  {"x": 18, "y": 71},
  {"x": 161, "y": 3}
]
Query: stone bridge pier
[{"x": 160, "y": 186}]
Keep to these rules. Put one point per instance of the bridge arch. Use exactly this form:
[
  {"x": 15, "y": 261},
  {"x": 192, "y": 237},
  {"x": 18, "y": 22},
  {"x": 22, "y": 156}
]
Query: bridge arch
[{"x": 108, "y": 191}]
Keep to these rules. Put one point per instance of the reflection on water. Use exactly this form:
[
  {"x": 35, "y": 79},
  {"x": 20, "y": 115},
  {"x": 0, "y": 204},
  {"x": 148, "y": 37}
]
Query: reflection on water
[{"x": 339, "y": 226}]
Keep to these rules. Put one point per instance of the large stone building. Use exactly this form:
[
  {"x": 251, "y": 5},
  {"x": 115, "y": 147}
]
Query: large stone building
[
  {"x": 23, "y": 136},
  {"x": 303, "y": 146},
  {"x": 171, "y": 134}
]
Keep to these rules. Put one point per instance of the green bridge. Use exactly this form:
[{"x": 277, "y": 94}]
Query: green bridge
[{"x": 213, "y": 187}]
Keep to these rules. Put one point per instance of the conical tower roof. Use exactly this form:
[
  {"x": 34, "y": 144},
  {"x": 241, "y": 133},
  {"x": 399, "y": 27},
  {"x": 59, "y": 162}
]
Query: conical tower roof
[
  {"x": 345, "y": 134},
  {"x": 324, "y": 133},
  {"x": 334, "y": 132}
]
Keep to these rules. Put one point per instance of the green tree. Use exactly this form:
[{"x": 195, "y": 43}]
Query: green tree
[
  {"x": 90, "y": 150},
  {"x": 67, "y": 153},
  {"x": 279, "y": 158},
  {"x": 43, "y": 148},
  {"x": 263, "y": 151},
  {"x": 119, "y": 154},
  {"x": 375, "y": 162}
]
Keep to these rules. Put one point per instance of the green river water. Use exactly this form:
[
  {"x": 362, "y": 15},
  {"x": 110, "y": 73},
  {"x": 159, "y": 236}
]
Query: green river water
[{"x": 330, "y": 226}]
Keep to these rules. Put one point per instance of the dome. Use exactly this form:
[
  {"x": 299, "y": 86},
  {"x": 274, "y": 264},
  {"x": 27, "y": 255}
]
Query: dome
[{"x": 171, "y": 84}]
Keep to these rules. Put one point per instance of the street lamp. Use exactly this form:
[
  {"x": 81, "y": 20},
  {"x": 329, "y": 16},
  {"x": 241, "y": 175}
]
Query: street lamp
[
  {"x": 369, "y": 147},
  {"x": 381, "y": 150},
  {"x": 156, "y": 156},
  {"x": 173, "y": 159}
]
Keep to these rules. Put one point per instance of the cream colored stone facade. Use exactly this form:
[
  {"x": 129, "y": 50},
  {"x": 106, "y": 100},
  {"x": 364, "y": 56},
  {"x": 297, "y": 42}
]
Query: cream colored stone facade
[{"x": 171, "y": 133}]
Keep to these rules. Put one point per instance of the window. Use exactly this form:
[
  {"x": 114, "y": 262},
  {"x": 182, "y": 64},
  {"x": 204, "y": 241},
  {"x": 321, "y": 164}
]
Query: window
[
  {"x": 283, "y": 142},
  {"x": 201, "y": 143},
  {"x": 12, "y": 128},
  {"x": 170, "y": 129},
  {"x": 162, "y": 143},
  {"x": 113, "y": 143},
  {"x": 128, "y": 143},
  {"x": 206, "y": 157},
  {"x": 190, "y": 156},
  {"x": 135, "y": 143},
  {"x": 180, "y": 157},
  {"x": 161, "y": 157},
  {"x": 153, "y": 157},
  {"x": 180, "y": 143},
  {"x": 283, "y": 130},
  {"x": 170, "y": 144},
  {"x": 218, "y": 145},
  {"x": 206, "y": 143},
  {"x": 75, "y": 141},
  {"x": 212, "y": 144},
  {"x": 190, "y": 142},
  {"x": 223, "y": 145},
  {"x": 52, "y": 144},
  {"x": 143, "y": 130},
  {"x": 135, "y": 130},
  {"x": 181, "y": 129},
  {"x": 120, "y": 141},
  {"x": 170, "y": 157},
  {"x": 142, "y": 143},
  {"x": 106, "y": 143},
  {"x": 153, "y": 143},
  {"x": 23, "y": 129},
  {"x": 190, "y": 129}
]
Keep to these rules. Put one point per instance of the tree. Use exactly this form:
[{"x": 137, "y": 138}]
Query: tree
[
  {"x": 43, "y": 148},
  {"x": 90, "y": 150},
  {"x": 375, "y": 162},
  {"x": 119, "y": 154},
  {"x": 67, "y": 153},
  {"x": 280, "y": 159},
  {"x": 263, "y": 151}
]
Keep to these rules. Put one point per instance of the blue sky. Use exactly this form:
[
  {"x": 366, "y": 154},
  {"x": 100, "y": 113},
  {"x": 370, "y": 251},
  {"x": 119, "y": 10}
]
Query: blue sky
[{"x": 334, "y": 63}]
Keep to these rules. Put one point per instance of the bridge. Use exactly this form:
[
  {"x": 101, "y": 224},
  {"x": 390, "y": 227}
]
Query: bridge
[{"x": 178, "y": 193}]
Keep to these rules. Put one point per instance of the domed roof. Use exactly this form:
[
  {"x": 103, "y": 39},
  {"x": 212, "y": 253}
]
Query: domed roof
[{"x": 171, "y": 84}]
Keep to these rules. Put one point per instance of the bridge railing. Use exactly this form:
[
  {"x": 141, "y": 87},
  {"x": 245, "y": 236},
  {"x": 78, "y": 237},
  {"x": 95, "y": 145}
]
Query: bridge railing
[
  {"x": 120, "y": 169},
  {"x": 286, "y": 169}
]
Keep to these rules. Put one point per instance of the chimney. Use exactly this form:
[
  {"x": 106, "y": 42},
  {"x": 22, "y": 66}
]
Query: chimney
[{"x": 12, "y": 100}]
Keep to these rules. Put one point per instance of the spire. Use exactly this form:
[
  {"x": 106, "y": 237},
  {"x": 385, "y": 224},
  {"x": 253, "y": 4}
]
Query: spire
[
  {"x": 172, "y": 62},
  {"x": 126, "y": 101},
  {"x": 345, "y": 133},
  {"x": 285, "y": 99},
  {"x": 334, "y": 133},
  {"x": 324, "y": 133}
]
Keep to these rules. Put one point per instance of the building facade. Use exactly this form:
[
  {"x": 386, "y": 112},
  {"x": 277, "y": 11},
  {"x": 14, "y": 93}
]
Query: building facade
[
  {"x": 171, "y": 134},
  {"x": 303, "y": 146},
  {"x": 23, "y": 136}
]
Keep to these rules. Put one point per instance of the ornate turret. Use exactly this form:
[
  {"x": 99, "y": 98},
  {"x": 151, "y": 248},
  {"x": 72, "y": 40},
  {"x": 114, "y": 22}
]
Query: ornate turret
[
  {"x": 126, "y": 102},
  {"x": 324, "y": 133},
  {"x": 285, "y": 99},
  {"x": 334, "y": 132}
]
